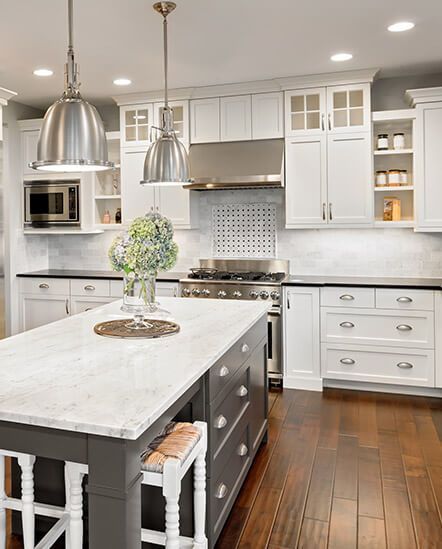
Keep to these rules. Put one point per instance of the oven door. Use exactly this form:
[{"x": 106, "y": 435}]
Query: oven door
[
  {"x": 51, "y": 204},
  {"x": 274, "y": 344}
]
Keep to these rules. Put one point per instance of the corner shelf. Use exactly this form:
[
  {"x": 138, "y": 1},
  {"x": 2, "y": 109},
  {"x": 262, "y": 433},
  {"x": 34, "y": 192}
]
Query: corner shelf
[
  {"x": 393, "y": 152},
  {"x": 393, "y": 188}
]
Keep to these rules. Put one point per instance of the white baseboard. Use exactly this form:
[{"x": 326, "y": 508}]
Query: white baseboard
[
  {"x": 305, "y": 383},
  {"x": 382, "y": 388}
]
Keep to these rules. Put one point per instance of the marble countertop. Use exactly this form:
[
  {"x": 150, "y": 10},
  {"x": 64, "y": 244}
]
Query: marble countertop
[
  {"x": 95, "y": 275},
  {"x": 378, "y": 282},
  {"x": 64, "y": 376}
]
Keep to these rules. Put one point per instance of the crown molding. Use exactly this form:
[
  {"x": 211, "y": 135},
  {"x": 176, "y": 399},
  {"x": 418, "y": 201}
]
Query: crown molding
[
  {"x": 328, "y": 79},
  {"x": 6, "y": 95},
  {"x": 423, "y": 95}
]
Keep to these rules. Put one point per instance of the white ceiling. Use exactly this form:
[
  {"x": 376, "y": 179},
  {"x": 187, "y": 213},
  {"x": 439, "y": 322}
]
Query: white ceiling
[{"x": 211, "y": 42}]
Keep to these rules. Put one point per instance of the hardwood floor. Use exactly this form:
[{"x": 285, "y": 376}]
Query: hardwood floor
[{"x": 343, "y": 469}]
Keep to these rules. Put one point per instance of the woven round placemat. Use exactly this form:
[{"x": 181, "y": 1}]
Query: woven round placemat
[{"x": 121, "y": 329}]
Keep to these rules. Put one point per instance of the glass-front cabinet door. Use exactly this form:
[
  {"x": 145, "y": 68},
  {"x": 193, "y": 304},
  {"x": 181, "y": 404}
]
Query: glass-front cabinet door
[
  {"x": 135, "y": 122},
  {"x": 180, "y": 118},
  {"x": 305, "y": 111},
  {"x": 348, "y": 108}
]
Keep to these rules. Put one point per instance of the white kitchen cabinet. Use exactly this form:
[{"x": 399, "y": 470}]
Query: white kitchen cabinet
[
  {"x": 135, "y": 124},
  {"x": 179, "y": 205},
  {"x": 167, "y": 289},
  {"x": 136, "y": 199},
  {"x": 81, "y": 304},
  {"x": 306, "y": 181},
  {"x": 236, "y": 118},
  {"x": 29, "y": 142},
  {"x": 301, "y": 338},
  {"x": 349, "y": 179},
  {"x": 180, "y": 118},
  {"x": 267, "y": 115},
  {"x": 348, "y": 108},
  {"x": 305, "y": 112},
  {"x": 205, "y": 120},
  {"x": 37, "y": 310}
]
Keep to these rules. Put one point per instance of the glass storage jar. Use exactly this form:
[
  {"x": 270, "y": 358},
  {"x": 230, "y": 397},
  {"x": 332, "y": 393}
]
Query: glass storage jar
[
  {"x": 381, "y": 178},
  {"x": 382, "y": 142},
  {"x": 398, "y": 141},
  {"x": 394, "y": 177}
]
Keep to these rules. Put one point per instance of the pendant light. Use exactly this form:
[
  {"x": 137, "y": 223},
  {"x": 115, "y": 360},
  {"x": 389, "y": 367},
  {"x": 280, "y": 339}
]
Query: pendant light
[
  {"x": 72, "y": 137},
  {"x": 166, "y": 160}
]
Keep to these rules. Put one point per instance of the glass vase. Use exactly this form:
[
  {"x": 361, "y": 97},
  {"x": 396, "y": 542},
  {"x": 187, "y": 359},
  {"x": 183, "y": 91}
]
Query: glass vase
[{"x": 139, "y": 299}]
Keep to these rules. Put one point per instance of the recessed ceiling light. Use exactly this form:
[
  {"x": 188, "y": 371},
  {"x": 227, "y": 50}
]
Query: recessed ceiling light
[
  {"x": 43, "y": 72},
  {"x": 401, "y": 26},
  {"x": 341, "y": 57},
  {"x": 122, "y": 82}
]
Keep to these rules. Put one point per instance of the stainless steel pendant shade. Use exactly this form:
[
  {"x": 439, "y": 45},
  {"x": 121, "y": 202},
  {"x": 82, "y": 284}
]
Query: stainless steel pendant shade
[
  {"x": 166, "y": 160},
  {"x": 72, "y": 137}
]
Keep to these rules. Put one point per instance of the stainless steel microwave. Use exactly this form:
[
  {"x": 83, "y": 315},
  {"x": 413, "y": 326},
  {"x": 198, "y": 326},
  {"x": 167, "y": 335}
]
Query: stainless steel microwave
[{"x": 52, "y": 203}]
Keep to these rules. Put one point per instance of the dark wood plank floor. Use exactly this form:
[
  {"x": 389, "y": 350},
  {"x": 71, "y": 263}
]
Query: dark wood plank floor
[{"x": 343, "y": 469}]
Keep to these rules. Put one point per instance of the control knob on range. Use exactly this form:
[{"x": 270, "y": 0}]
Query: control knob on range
[
  {"x": 253, "y": 294},
  {"x": 275, "y": 295},
  {"x": 222, "y": 294},
  {"x": 264, "y": 294},
  {"x": 237, "y": 294},
  {"x": 205, "y": 292},
  {"x": 186, "y": 292},
  {"x": 196, "y": 292}
]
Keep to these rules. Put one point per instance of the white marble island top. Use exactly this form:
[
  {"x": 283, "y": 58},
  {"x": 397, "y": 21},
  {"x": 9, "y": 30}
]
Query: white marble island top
[{"x": 64, "y": 376}]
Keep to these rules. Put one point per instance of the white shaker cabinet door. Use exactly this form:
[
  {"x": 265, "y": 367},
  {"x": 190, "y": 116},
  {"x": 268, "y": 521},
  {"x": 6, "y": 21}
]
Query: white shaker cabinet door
[
  {"x": 168, "y": 289},
  {"x": 136, "y": 200},
  {"x": 428, "y": 166},
  {"x": 267, "y": 115},
  {"x": 236, "y": 118},
  {"x": 29, "y": 150},
  {"x": 306, "y": 181},
  {"x": 348, "y": 108},
  {"x": 305, "y": 112},
  {"x": 81, "y": 304},
  {"x": 350, "y": 199},
  {"x": 174, "y": 203},
  {"x": 204, "y": 120},
  {"x": 36, "y": 310},
  {"x": 301, "y": 338}
]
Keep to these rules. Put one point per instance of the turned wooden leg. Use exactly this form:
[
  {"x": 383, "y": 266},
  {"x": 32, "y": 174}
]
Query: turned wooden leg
[
  {"x": 67, "y": 491},
  {"x": 2, "y": 499},
  {"x": 171, "y": 492},
  {"x": 199, "y": 494},
  {"x": 75, "y": 504},
  {"x": 26, "y": 464}
]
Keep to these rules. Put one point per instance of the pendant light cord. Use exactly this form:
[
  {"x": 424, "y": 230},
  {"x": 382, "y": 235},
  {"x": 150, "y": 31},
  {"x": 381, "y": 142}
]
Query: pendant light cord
[
  {"x": 166, "y": 93},
  {"x": 71, "y": 26},
  {"x": 72, "y": 84}
]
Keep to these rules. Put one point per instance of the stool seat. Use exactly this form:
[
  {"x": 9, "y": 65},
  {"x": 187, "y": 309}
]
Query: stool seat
[{"x": 177, "y": 441}]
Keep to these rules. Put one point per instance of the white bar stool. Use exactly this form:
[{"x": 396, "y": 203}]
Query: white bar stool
[{"x": 164, "y": 463}]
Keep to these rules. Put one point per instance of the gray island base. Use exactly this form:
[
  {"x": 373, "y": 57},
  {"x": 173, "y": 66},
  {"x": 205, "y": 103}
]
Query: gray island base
[{"x": 70, "y": 395}]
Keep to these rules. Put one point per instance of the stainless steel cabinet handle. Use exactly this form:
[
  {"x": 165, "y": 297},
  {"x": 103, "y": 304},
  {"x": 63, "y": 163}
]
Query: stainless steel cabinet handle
[
  {"x": 404, "y": 299},
  {"x": 324, "y": 214},
  {"x": 66, "y": 304},
  {"x": 329, "y": 121},
  {"x": 404, "y": 328},
  {"x": 347, "y": 297},
  {"x": 322, "y": 122},
  {"x": 404, "y": 365},
  {"x": 242, "y": 391},
  {"x": 89, "y": 288},
  {"x": 224, "y": 371},
  {"x": 242, "y": 450},
  {"x": 221, "y": 491},
  {"x": 245, "y": 348},
  {"x": 330, "y": 213},
  {"x": 220, "y": 422},
  {"x": 347, "y": 325},
  {"x": 44, "y": 286},
  {"x": 347, "y": 361}
]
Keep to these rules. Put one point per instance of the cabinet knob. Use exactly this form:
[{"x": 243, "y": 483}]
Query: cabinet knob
[
  {"x": 224, "y": 371},
  {"x": 347, "y": 325},
  {"x": 347, "y": 361},
  {"x": 221, "y": 491},
  {"x": 242, "y": 391},
  {"x": 347, "y": 297},
  {"x": 220, "y": 422},
  {"x": 404, "y": 328},
  {"x": 44, "y": 286},
  {"x": 404, "y": 365},
  {"x": 404, "y": 299},
  {"x": 89, "y": 288},
  {"x": 245, "y": 348},
  {"x": 242, "y": 450}
]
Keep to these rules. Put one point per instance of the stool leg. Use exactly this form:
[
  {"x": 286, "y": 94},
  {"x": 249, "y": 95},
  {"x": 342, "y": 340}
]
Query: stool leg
[
  {"x": 199, "y": 493},
  {"x": 2, "y": 499},
  {"x": 171, "y": 492},
  {"x": 75, "y": 505},
  {"x": 26, "y": 463},
  {"x": 67, "y": 491}
]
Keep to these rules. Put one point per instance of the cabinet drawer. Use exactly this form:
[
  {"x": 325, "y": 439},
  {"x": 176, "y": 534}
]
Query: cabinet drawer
[
  {"x": 224, "y": 370},
  {"x": 85, "y": 287},
  {"x": 347, "y": 297},
  {"x": 360, "y": 327},
  {"x": 225, "y": 415},
  {"x": 378, "y": 365},
  {"x": 417, "y": 300},
  {"x": 45, "y": 286},
  {"x": 116, "y": 289},
  {"x": 225, "y": 486}
]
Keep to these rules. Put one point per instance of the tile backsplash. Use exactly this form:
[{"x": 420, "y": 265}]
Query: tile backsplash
[{"x": 371, "y": 252}]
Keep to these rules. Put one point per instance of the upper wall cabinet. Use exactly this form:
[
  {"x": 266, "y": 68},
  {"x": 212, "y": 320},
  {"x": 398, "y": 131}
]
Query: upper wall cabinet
[
  {"x": 205, "y": 120},
  {"x": 135, "y": 124},
  {"x": 29, "y": 142},
  {"x": 267, "y": 115},
  {"x": 334, "y": 109},
  {"x": 236, "y": 118}
]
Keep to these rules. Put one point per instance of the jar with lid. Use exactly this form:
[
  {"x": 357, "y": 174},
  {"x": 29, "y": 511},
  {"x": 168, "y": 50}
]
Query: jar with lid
[
  {"x": 403, "y": 175},
  {"x": 394, "y": 177},
  {"x": 382, "y": 142},
  {"x": 398, "y": 141},
  {"x": 381, "y": 178}
]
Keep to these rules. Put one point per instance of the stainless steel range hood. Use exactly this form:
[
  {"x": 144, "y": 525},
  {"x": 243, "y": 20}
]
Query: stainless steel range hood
[{"x": 237, "y": 165}]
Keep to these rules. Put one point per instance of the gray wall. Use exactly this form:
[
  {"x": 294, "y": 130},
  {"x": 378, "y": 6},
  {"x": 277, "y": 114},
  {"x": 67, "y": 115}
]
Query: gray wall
[{"x": 388, "y": 93}]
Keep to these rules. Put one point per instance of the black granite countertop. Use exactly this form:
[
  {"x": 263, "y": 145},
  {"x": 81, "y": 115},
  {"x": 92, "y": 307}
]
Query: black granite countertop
[
  {"x": 95, "y": 275},
  {"x": 362, "y": 281}
]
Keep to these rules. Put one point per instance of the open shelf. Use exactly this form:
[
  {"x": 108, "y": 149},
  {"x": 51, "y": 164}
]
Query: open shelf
[
  {"x": 109, "y": 227},
  {"x": 108, "y": 197},
  {"x": 76, "y": 232},
  {"x": 389, "y": 189},
  {"x": 403, "y": 223},
  {"x": 393, "y": 152}
]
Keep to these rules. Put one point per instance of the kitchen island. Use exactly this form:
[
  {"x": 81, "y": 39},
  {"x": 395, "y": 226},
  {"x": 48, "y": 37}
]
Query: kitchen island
[{"x": 69, "y": 394}]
